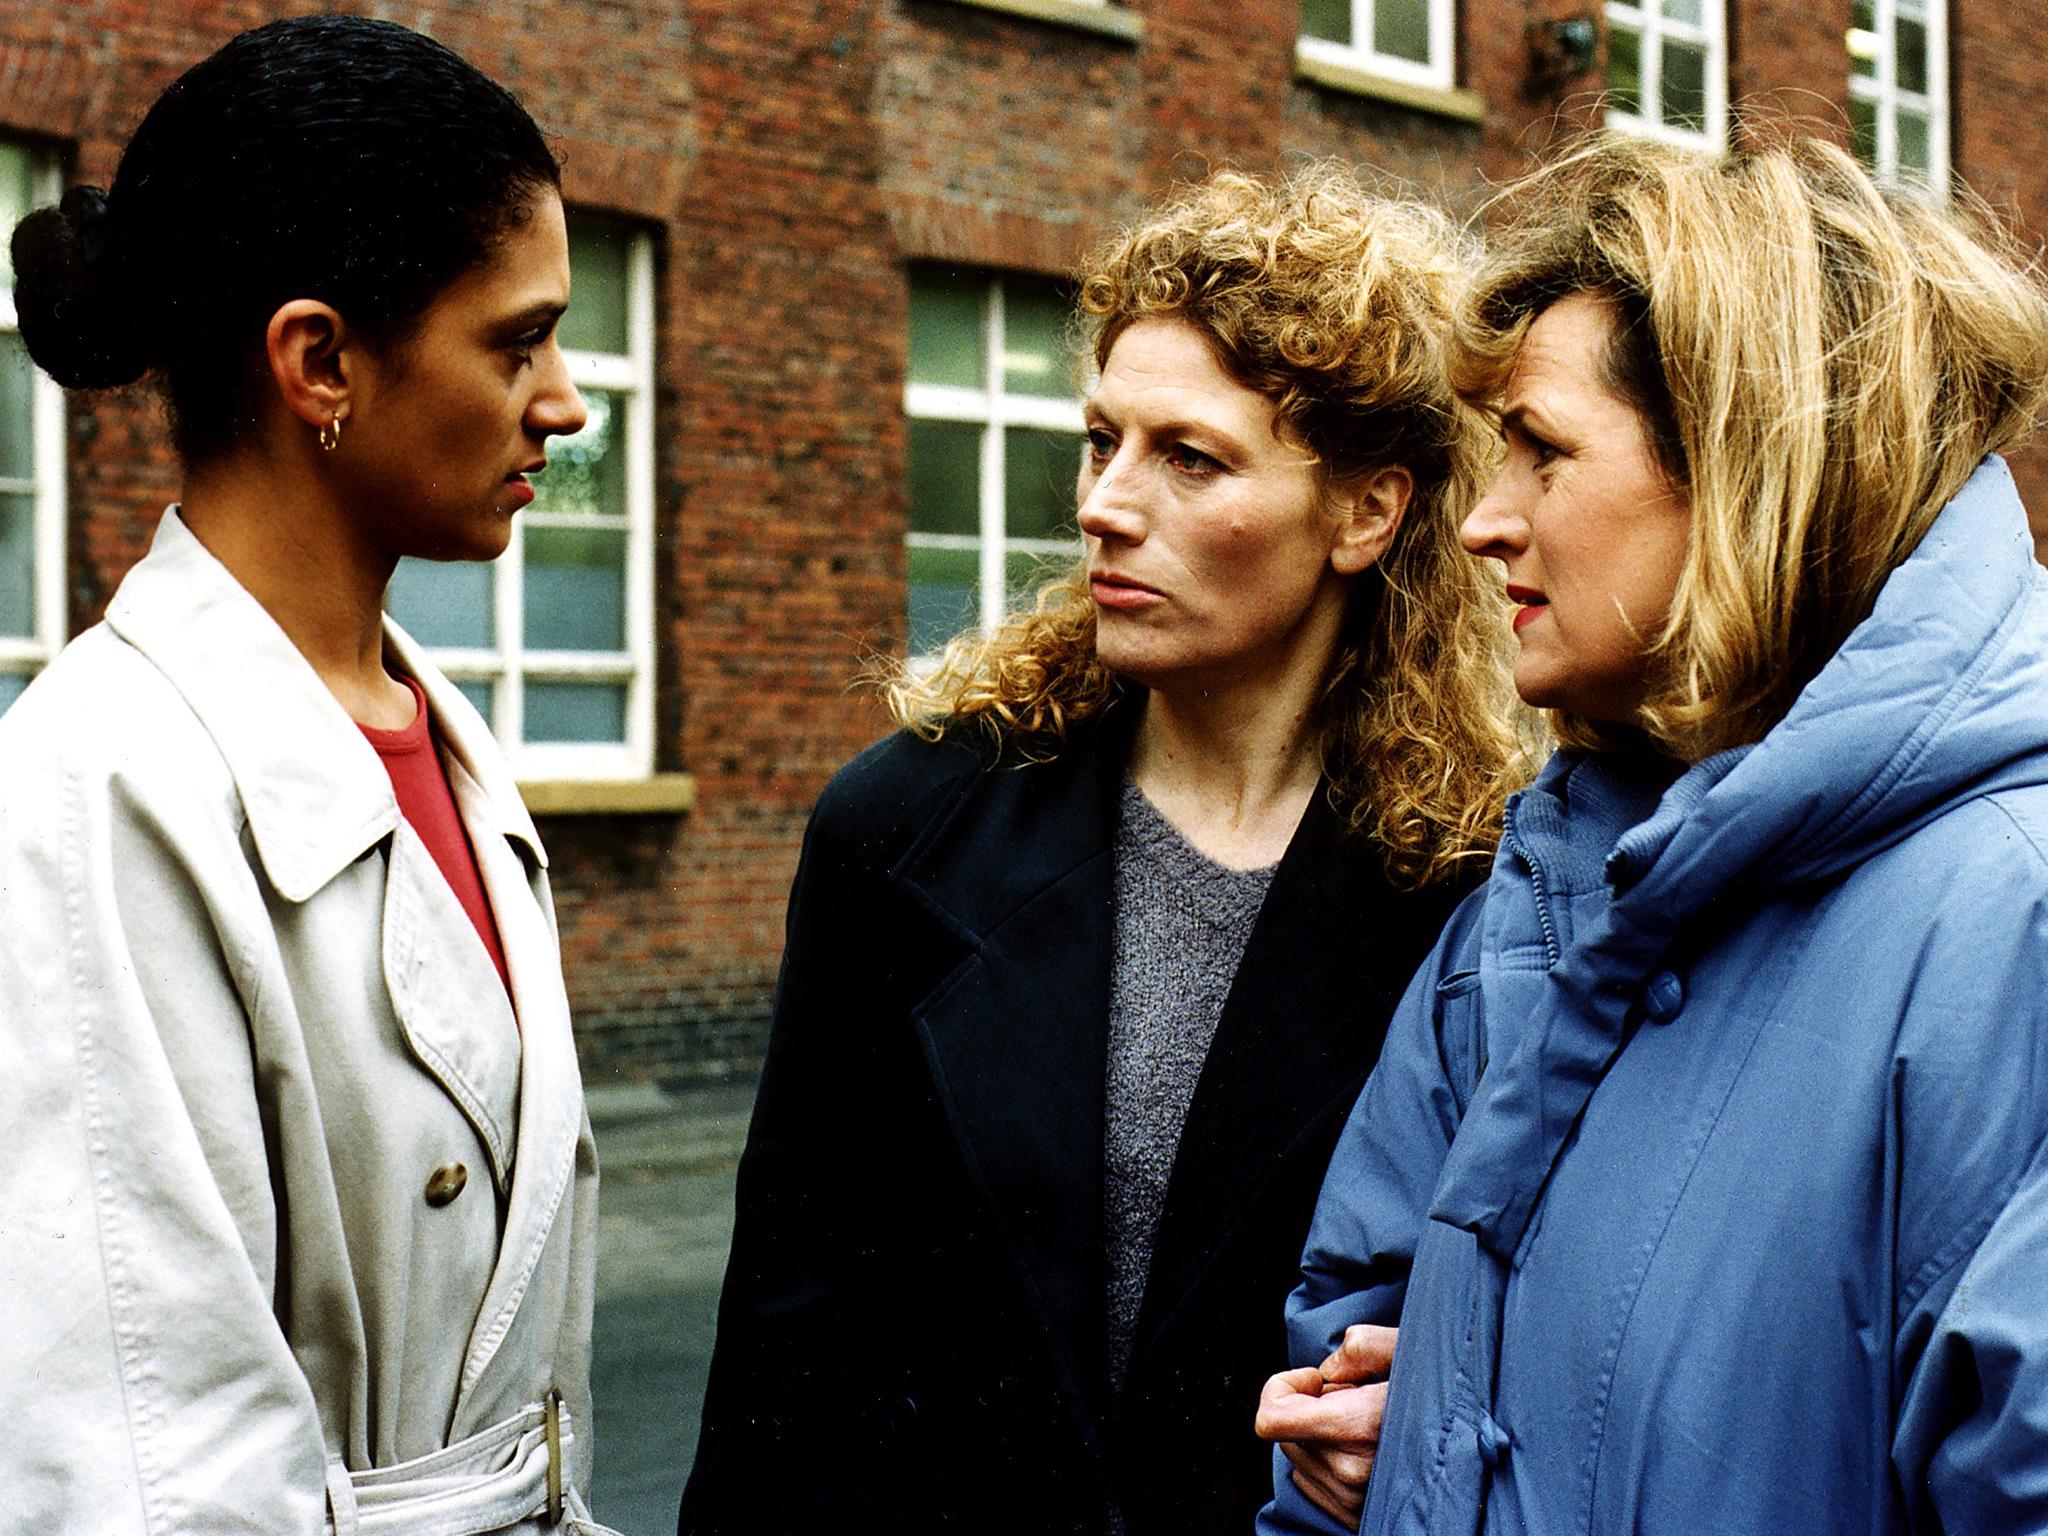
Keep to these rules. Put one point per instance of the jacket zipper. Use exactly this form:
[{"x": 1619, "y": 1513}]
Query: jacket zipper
[{"x": 1551, "y": 947}]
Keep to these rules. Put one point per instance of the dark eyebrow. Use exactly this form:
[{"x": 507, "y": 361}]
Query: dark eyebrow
[{"x": 547, "y": 312}]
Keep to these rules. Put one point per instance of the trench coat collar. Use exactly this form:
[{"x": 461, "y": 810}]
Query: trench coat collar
[
  {"x": 1016, "y": 1035},
  {"x": 467, "y": 739},
  {"x": 316, "y": 796}
]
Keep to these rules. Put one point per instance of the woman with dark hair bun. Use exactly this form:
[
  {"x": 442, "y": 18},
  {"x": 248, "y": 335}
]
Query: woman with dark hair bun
[{"x": 300, "y": 1192}]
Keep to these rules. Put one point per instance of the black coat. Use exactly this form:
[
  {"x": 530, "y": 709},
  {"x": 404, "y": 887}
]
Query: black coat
[{"x": 912, "y": 1332}]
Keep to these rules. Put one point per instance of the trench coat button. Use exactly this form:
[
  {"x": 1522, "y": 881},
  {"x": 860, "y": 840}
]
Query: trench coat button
[
  {"x": 1663, "y": 998},
  {"x": 445, "y": 1183}
]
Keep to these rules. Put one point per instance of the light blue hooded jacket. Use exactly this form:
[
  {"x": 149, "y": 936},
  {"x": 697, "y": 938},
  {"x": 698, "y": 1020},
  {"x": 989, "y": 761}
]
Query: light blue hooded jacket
[{"x": 1704, "y": 1167}]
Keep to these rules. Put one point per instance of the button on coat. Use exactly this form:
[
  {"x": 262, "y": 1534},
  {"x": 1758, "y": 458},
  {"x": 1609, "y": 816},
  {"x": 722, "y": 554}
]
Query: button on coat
[{"x": 445, "y": 1183}]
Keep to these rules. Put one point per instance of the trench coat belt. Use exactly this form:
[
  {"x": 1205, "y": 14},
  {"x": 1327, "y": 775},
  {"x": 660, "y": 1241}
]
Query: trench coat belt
[{"x": 505, "y": 1478}]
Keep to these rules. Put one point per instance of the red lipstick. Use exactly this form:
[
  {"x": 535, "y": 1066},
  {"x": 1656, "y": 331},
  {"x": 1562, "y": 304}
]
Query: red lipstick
[{"x": 1533, "y": 605}]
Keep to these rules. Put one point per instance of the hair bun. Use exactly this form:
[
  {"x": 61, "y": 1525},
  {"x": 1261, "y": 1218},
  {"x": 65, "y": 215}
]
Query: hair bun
[{"x": 76, "y": 310}]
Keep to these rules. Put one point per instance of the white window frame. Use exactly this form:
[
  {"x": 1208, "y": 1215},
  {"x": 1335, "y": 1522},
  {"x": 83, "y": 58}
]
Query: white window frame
[
  {"x": 1647, "y": 20},
  {"x": 1439, "y": 72},
  {"x": 509, "y": 666},
  {"x": 1885, "y": 95},
  {"x": 993, "y": 408},
  {"x": 19, "y": 656}
]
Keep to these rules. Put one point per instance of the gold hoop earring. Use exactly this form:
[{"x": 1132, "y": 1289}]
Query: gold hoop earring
[{"x": 330, "y": 435}]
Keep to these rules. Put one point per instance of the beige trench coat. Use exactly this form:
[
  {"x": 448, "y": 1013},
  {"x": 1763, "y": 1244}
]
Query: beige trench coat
[{"x": 244, "y": 1024}]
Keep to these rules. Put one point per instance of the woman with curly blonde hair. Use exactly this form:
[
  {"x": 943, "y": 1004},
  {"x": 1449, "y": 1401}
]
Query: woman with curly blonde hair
[
  {"x": 1705, "y": 1170},
  {"x": 1086, "y": 963}
]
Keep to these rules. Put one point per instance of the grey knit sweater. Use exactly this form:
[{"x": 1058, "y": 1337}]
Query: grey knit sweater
[{"x": 1182, "y": 921}]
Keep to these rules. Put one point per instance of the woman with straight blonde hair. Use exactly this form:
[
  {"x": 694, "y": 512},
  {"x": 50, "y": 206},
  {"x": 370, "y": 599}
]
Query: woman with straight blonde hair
[
  {"x": 1086, "y": 963},
  {"x": 1706, "y": 1167}
]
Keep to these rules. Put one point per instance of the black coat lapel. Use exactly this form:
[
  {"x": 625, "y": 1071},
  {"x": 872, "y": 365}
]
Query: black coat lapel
[
  {"x": 1329, "y": 956},
  {"x": 1016, "y": 1034}
]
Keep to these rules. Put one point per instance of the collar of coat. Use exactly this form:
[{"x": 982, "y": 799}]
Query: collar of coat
[
  {"x": 315, "y": 793},
  {"x": 1018, "y": 867}
]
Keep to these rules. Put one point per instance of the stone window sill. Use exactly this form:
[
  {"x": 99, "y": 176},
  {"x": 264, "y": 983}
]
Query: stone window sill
[
  {"x": 660, "y": 794},
  {"x": 1465, "y": 106},
  {"x": 1109, "y": 20}
]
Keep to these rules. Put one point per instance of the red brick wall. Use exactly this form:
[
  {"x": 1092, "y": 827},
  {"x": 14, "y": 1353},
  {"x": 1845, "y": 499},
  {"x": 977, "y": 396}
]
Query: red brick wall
[
  {"x": 1791, "y": 61},
  {"x": 791, "y": 157},
  {"x": 782, "y": 547},
  {"x": 1999, "y": 145}
]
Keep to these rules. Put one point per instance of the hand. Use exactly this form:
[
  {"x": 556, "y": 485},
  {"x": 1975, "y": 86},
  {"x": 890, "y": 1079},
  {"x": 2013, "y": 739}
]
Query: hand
[{"x": 1327, "y": 1420}]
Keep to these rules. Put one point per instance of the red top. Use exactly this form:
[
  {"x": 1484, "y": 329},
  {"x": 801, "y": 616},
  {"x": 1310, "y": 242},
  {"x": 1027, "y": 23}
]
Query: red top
[{"x": 424, "y": 799}]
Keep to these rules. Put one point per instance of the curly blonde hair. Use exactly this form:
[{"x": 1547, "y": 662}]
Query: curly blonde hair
[
  {"x": 1820, "y": 361},
  {"x": 1334, "y": 304}
]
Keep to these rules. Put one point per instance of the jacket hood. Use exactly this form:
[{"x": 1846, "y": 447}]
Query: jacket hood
[{"x": 1938, "y": 697}]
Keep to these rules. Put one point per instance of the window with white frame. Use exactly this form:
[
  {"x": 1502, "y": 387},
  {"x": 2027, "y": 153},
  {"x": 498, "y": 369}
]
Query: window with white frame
[
  {"x": 995, "y": 440},
  {"x": 1667, "y": 70},
  {"x": 1400, "y": 39},
  {"x": 1898, "y": 87},
  {"x": 31, "y": 456},
  {"x": 554, "y": 641}
]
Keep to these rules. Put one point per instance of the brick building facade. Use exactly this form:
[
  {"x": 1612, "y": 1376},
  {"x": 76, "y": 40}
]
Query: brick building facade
[{"x": 790, "y": 191}]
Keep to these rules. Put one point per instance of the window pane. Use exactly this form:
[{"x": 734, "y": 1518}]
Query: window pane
[
  {"x": 576, "y": 712},
  {"x": 587, "y": 473},
  {"x": 1038, "y": 482},
  {"x": 946, "y": 341},
  {"x": 1692, "y": 12},
  {"x": 575, "y": 589},
  {"x": 444, "y": 602},
  {"x": 481, "y": 694},
  {"x": 1400, "y": 29},
  {"x": 1624, "y": 71},
  {"x": 1863, "y": 53},
  {"x": 11, "y": 684},
  {"x": 1026, "y": 570},
  {"x": 1329, "y": 20},
  {"x": 17, "y": 565},
  {"x": 17, "y": 410},
  {"x": 596, "y": 320},
  {"x": 1913, "y": 150},
  {"x": 1863, "y": 130},
  {"x": 1684, "y": 85},
  {"x": 1863, "y": 15},
  {"x": 1036, "y": 357},
  {"x": 944, "y": 586},
  {"x": 17, "y": 196},
  {"x": 945, "y": 477},
  {"x": 1909, "y": 48}
]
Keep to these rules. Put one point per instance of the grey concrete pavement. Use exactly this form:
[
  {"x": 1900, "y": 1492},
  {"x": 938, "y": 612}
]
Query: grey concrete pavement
[{"x": 664, "y": 1226}]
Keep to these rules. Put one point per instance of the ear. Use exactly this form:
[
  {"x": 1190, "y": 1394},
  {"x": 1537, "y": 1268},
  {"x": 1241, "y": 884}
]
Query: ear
[
  {"x": 311, "y": 361},
  {"x": 1370, "y": 511}
]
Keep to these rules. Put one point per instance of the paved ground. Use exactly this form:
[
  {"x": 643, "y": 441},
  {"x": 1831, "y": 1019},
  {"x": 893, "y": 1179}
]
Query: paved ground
[{"x": 664, "y": 1222}]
